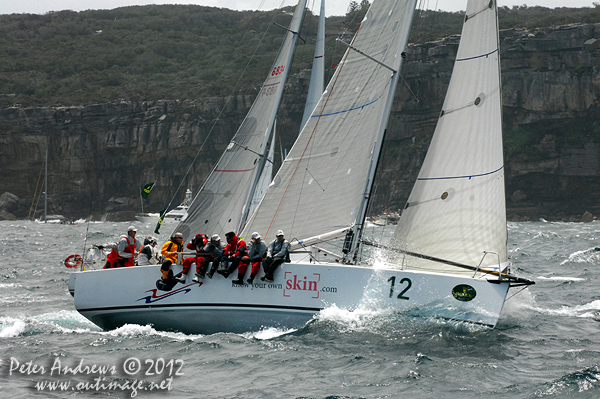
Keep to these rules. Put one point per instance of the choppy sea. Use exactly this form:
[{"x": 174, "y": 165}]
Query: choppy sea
[{"x": 546, "y": 343}]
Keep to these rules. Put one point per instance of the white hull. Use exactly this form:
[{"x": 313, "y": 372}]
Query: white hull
[
  {"x": 147, "y": 217},
  {"x": 112, "y": 298}
]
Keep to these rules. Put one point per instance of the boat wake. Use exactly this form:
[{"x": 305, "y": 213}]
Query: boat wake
[
  {"x": 527, "y": 303},
  {"x": 389, "y": 322}
]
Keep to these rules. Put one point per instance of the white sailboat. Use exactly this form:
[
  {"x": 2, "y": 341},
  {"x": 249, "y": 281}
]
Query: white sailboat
[
  {"x": 172, "y": 217},
  {"x": 448, "y": 257}
]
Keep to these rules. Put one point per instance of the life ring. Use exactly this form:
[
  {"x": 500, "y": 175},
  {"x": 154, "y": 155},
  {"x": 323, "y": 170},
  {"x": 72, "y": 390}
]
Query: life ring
[{"x": 73, "y": 261}]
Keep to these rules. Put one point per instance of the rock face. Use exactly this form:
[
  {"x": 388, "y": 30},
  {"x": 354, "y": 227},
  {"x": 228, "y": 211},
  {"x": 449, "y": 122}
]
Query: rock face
[
  {"x": 8, "y": 203},
  {"x": 100, "y": 155}
]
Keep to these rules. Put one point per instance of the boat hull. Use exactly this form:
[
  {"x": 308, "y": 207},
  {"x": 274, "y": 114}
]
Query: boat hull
[{"x": 112, "y": 298}]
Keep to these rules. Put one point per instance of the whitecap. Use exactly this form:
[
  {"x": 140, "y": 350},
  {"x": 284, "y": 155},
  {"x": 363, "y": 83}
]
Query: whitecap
[
  {"x": 558, "y": 278},
  {"x": 267, "y": 333},
  {"x": 590, "y": 255},
  {"x": 588, "y": 310},
  {"x": 134, "y": 330},
  {"x": 11, "y": 327}
]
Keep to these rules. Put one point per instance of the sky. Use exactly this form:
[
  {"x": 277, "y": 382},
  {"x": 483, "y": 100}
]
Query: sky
[{"x": 332, "y": 7}]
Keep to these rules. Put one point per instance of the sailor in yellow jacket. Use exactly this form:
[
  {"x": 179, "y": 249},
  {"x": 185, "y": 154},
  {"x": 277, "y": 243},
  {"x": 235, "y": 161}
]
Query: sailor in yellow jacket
[{"x": 171, "y": 247}]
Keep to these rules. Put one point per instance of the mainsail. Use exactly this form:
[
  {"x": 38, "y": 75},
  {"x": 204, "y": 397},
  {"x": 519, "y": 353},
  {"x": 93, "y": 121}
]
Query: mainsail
[
  {"x": 321, "y": 185},
  {"x": 456, "y": 211},
  {"x": 224, "y": 198}
]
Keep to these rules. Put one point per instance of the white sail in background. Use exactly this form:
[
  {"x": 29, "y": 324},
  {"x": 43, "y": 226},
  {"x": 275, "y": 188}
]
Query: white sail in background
[
  {"x": 219, "y": 205},
  {"x": 317, "y": 75},
  {"x": 321, "y": 184},
  {"x": 266, "y": 176},
  {"x": 456, "y": 210}
]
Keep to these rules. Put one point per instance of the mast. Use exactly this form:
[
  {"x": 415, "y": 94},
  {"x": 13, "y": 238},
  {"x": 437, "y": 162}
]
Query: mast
[
  {"x": 317, "y": 75},
  {"x": 46, "y": 189}
]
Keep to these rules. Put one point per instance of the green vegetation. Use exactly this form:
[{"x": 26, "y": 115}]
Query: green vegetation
[{"x": 184, "y": 52}]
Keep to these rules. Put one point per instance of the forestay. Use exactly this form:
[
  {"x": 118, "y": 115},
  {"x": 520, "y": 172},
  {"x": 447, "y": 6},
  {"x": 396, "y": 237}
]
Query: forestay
[
  {"x": 456, "y": 210},
  {"x": 321, "y": 184},
  {"x": 219, "y": 205}
]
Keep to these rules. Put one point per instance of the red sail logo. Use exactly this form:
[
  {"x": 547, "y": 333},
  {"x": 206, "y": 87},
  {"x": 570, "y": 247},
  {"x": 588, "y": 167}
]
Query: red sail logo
[{"x": 295, "y": 283}]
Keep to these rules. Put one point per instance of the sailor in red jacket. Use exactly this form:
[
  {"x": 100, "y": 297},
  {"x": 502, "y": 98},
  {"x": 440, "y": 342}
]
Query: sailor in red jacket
[
  {"x": 232, "y": 254},
  {"x": 196, "y": 244},
  {"x": 127, "y": 248}
]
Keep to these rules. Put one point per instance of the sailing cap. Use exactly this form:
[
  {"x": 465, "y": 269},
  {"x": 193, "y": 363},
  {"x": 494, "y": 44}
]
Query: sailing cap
[
  {"x": 279, "y": 233},
  {"x": 131, "y": 228},
  {"x": 215, "y": 238},
  {"x": 177, "y": 235},
  {"x": 255, "y": 235}
]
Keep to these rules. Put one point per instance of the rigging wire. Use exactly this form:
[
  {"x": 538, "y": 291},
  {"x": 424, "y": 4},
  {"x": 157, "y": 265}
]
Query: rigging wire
[{"x": 524, "y": 288}]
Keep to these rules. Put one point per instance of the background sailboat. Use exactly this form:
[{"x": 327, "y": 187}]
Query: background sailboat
[{"x": 317, "y": 75}]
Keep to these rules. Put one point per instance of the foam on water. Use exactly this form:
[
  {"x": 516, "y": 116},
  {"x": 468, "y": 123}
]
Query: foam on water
[
  {"x": 11, "y": 327},
  {"x": 577, "y": 382},
  {"x": 63, "y": 321},
  {"x": 590, "y": 255},
  {"x": 558, "y": 278},
  {"x": 135, "y": 330},
  {"x": 268, "y": 333},
  {"x": 588, "y": 310}
]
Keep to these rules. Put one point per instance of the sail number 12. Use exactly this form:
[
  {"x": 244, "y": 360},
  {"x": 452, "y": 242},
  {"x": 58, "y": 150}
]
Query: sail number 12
[{"x": 392, "y": 280}]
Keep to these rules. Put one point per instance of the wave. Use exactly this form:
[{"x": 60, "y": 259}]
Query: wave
[
  {"x": 590, "y": 255},
  {"x": 63, "y": 321},
  {"x": 588, "y": 310},
  {"x": 573, "y": 383},
  {"x": 559, "y": 278}
]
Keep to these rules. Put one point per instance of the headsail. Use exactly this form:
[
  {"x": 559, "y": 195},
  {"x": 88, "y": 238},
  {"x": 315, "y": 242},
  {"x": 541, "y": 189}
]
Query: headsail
[
  {"x": 219, "y": 205},
  {"x": 456, "y": 210},
  {"x": 321, "y": 184},
  {"x": 317, "y": 75}
]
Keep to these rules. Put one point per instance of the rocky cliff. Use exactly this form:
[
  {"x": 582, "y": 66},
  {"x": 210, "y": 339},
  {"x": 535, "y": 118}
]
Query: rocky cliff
[{"x": 100, "y": 155}]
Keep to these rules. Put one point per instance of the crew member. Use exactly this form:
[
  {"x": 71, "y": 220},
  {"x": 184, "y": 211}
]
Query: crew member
[
  {"x": 127, "y": 248},
  {"x": 196, "y": 244},
  {"x": 277, "y": 253},
  {"x": 232, "y": 254},
  {"x": 256, "y": 253},
  {"x": 147, "y": 254},
  {"x": 213, "y": 252},
  {"x": 171, "y": 248}
]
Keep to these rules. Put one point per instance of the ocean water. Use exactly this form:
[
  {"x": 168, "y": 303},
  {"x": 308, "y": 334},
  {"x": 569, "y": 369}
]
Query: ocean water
[{"x": 546, "y": 343}]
